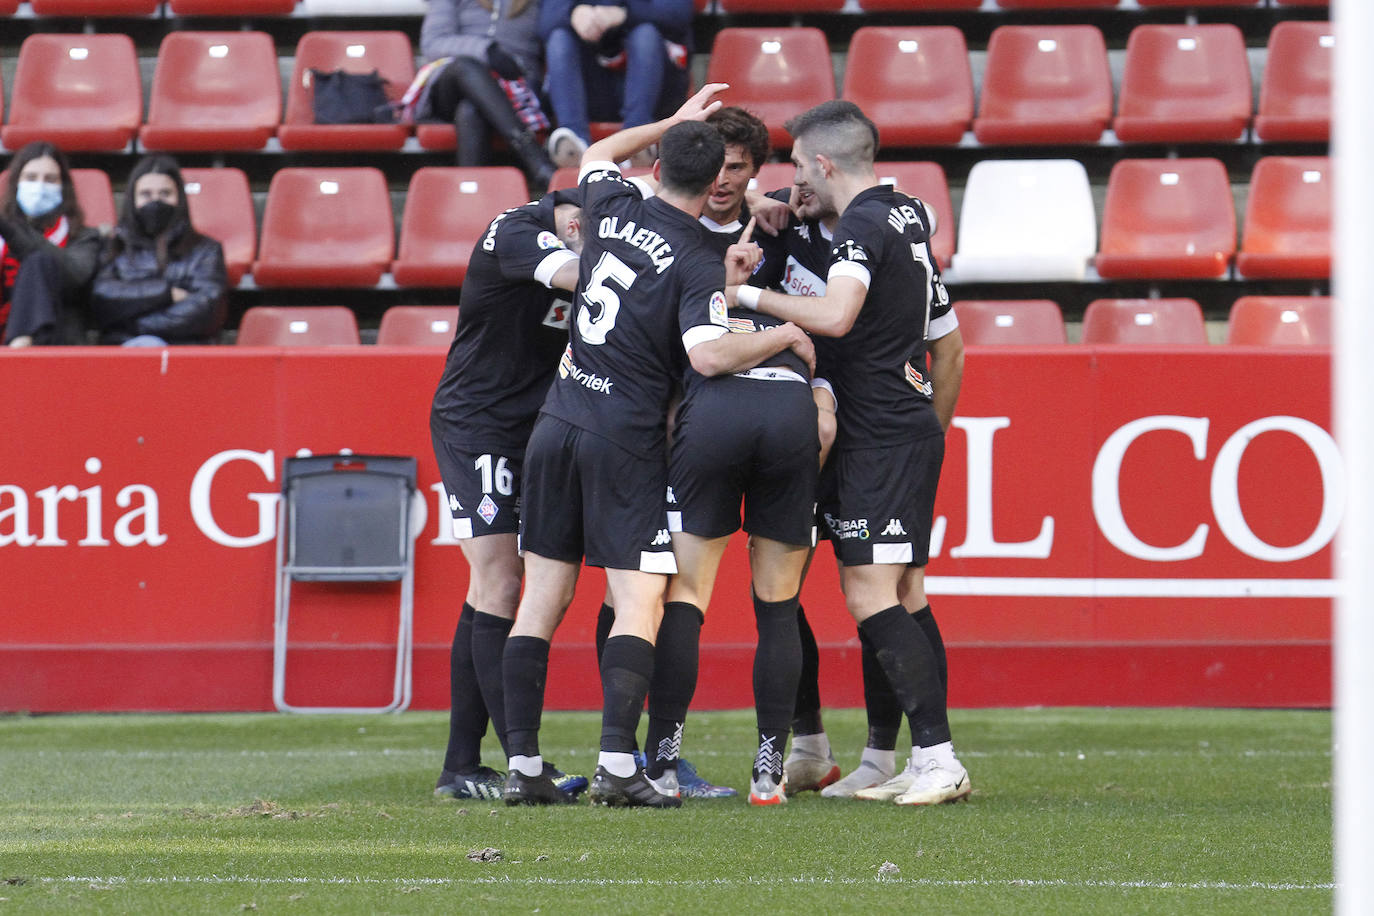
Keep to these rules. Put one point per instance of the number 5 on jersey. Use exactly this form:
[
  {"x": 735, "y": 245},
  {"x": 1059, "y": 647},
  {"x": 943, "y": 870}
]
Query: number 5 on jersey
[{"x": 600, "y": 302}]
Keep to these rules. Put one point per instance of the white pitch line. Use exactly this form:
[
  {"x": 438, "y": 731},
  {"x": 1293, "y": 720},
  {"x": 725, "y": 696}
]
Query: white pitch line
[
  {"x": 1204, "y": 752},
  {"x": 122, "y": 881}
]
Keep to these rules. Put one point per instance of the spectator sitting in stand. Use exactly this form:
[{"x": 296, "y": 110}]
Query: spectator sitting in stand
[
  {"x": 483, "y": 60},
  {"x": 613, "y": 61},
  {"x": 160, "y": 282},
  {"x": 47, "y": 254}
]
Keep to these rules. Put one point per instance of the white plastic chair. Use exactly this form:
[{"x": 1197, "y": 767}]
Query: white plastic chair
[{"x": 1025, "y": 220}]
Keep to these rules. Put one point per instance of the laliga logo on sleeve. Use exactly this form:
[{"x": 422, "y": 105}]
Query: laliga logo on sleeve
[
  {"x": 719, "y": 312},
  {"x": 548, "y": 240}
]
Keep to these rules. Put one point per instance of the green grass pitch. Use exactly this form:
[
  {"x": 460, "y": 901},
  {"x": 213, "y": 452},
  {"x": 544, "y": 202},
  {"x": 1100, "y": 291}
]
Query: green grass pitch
[{"x": 1074, "y": 811}]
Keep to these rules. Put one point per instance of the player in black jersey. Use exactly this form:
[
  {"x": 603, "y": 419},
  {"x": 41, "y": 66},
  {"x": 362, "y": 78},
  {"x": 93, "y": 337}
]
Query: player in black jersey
[
  {"x": 796, "y": 261},
  {"x": 512, "y": 327},
  {"x": 883, "y": 310},
  {"x": 650, "y": 292}
]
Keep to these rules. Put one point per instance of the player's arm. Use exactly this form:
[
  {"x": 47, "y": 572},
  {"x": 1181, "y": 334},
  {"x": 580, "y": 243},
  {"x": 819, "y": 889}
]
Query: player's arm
[
  {"x": 831, "y": 315},
  {"x": 946, "y": 373},
  {"x": 626, "y": 143},
  {"x": 565, "y": 277},
  {"x": 714, "y": 351}
]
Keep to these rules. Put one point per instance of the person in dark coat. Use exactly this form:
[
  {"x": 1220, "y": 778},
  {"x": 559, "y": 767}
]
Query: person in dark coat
[
  {"x": 160, "y": 282},
  {"x": 47, "y": 253}
]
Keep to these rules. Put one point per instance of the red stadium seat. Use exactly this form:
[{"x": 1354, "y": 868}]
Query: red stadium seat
[
  {"x": 417, "y": 326},
  {"x": 1184, "y": 84},
  {"x": 232, "y": 7},
  {"x": 447, "y": 212},
  {"x": 95, "y": 195},
  {"x": 566, "y": 177},
  {"x": 221, "y": 207},
  {"x": 1144, "y": 321},
  {"x": 88, "y": 8},
  {"x": 1146, "y": 4},
  {"x": 1011, "y": 321},
  {"x": 775, "y": 73},
  {"x": 302, "y": 326},
  {"x": 780, "y": 6},
  {"x": 1045, "y": 84},
  {"x": 1167, "y": 218},
  {"x": 1288, "y": 219},
  {"x": 81, "y": 92},
  {"x": 388, "y": 53},
  {"x": 325, "y": 227},
  {"x": 1280, "y": 321},
  {"x": 926, "y": 180},
  {"x": 922, "y": 5},
  {"x": 915, "y": 83},
  {"x": 9, "y": 7},
  {"x": 1295, "y": 92},
  {"x": 1055, "y": 4},
  {"x": 213, "y": 91}
]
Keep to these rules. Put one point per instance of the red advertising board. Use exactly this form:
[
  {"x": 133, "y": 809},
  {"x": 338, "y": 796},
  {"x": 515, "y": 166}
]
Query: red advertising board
[{"x": 1119, "y": 527}]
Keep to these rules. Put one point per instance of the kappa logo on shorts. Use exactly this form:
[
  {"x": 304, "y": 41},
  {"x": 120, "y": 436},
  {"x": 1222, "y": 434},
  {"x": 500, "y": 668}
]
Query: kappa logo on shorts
[
  {"x": 662, "y": 539},
  {"x": 487, "y": 509},
  {"x": 894, "y": 528},
  {"x": 453, "y": 504},
  {"x": 672, "y": 497}
]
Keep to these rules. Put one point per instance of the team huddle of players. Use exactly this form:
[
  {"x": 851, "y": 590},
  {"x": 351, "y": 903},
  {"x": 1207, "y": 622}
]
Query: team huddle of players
[{"x": 818, "y": 363}]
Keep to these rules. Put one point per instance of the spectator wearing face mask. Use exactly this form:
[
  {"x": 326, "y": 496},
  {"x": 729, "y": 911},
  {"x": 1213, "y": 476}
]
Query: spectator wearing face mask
[
  {"x": 47, "y": 253},
  {"x": 160, "y": 282}
]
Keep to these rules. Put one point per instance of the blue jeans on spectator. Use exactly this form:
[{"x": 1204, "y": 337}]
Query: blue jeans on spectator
[{"x": 581, "y": 90}]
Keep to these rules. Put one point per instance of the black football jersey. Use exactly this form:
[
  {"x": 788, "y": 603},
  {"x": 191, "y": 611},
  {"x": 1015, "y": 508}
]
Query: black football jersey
[
  {"x": 512, "y": 328},
  {"x": 743, "y": 321},
  {"x": 647, "y": 279},
  {"x": 879, "y": 367}
]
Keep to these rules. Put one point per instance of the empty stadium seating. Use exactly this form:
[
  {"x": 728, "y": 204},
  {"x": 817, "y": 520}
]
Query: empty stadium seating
[
  {"x": 417, "y": 326},
  {"x": 300, "y": 326},
  {"x": 775, "y": 73},
  {"x": 388, "y": 53},
  {"x": 922, "y": 5},
  {"x": 780, "y": 6},
  {"x": 221, "y": 206},
  {"x": 231, "y": 7},
  {"x": 447, "y": 212},
  {"x": 1010, "y": 321},
  {"x": 567, "y": 177},
  {"x": 1146, "y": 4},
  {"x": 1295, "y": 91},
  {"x": 213, "y": 91},
  {"x": 96, "y": 197},
  {"x": 1137, "y": 322},
  {"x": 1045, "y": 84},
  {"x": 1055, "y": 4},
  {"x": 1167, "y": 218},
  {"x": 1280, "y": 321},
  {"x": 81, "y": 92},
  {"x": 1287, "y": 230},
  {"x": 86, "y": 8},
  {"x": 914, "y": 83},
  {"x": 1026, "y": 220},
  {"x": 1184, "y": 84},
  {"x": 325, "y": 227}
]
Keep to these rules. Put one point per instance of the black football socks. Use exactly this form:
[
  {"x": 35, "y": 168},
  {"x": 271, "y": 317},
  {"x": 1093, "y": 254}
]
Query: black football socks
[
  {"x": 525, "y": 671},
  {"x": 627, "y": 665},
  {"x": 908, "y": 661},
  {"x": 806, "y": 716},
  {"x": 674, "y": 683},
  {"x": 489, "y": 634},
  {"x": 467, "y": 716},
  {"x": 777, "y": 671}
]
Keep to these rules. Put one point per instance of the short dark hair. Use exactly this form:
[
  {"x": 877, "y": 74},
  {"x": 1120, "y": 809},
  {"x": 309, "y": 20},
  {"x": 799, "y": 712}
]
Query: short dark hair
[
  {"x": 738, "y": 127},
  {"x": 839, "y": 130},
  {"x": 690, "y": 156}
]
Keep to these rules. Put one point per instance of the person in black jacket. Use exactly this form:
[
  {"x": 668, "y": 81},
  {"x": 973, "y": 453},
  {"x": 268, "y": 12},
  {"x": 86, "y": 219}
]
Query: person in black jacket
[
  {"x": 161, "y": 282},
  {"x": 47, "y": 253}
]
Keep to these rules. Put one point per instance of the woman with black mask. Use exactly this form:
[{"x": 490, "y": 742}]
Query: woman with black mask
[{"x": 160, "y": 282}]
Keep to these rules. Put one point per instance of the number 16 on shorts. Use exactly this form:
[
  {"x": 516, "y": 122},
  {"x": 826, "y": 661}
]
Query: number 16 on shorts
[{"x": 483, "y": 490}]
